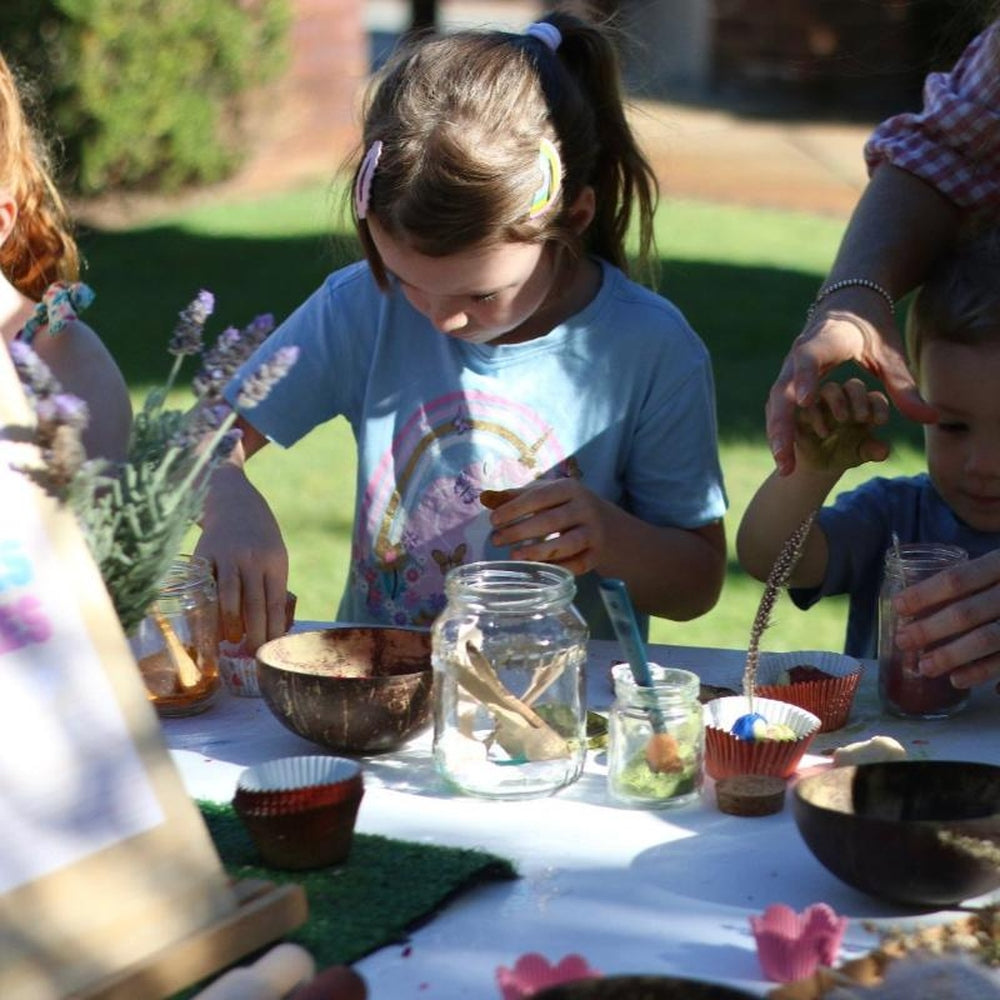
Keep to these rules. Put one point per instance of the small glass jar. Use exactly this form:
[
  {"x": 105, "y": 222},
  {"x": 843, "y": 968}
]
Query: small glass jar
[
  {"x": 509, "y": 652},
  {"x": 903, "y": 690},
  {"x": 656, "y": 738},
  {"x": 177, "y": 644}
]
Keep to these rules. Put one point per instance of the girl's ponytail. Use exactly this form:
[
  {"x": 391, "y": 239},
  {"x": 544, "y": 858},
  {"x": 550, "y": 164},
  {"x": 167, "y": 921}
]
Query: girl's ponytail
[{"x": 620, "y": 175}]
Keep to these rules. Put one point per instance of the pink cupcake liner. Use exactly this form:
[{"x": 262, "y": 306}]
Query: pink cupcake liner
[
  {"x": 533, "y": 972},
  {"x": 792, "y": 946}
]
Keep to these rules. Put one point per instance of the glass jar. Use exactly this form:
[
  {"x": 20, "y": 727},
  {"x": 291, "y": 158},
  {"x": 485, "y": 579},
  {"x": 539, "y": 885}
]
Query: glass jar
[
  {"x": 656, "y": 738},
  {"x": 903, "y": 690},
  {"x": 509, "y": 652},
  {"x": 177, "y": 644}
]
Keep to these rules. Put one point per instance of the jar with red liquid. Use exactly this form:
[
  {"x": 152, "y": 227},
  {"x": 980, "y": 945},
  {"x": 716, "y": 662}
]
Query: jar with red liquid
[
  {"x": 176, "y": 645},
  {"x": 903, "y": 690}
]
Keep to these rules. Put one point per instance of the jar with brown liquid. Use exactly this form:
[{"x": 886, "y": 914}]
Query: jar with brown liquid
[
  {"x": 903, "y": 690},
  {"x": 177, "y": 644}
]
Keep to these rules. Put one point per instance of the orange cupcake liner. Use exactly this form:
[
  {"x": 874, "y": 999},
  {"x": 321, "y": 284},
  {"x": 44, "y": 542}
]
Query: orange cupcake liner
[
  {"x": 830, "y": 698},
  {"x": 726, "y": 756}
]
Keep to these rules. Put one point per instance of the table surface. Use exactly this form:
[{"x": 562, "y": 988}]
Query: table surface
[{"x": 665, "y": 892}]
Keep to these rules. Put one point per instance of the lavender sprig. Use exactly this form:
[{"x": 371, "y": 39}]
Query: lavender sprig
[
  {"x": 134, "y": 517},
  {"x": 34, "y": 374},
  {"x": 60, "y": 420},
  {"x": 257, "y": 386},
  {"x": 231, "y": 349},
  {"x": 185, "y": 341},
  {"x": 777, "y": 579},
  {"x": 190, "y": 328}
]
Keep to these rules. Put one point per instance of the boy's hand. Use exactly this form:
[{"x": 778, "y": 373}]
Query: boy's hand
[{"x": 836, "y": 432}]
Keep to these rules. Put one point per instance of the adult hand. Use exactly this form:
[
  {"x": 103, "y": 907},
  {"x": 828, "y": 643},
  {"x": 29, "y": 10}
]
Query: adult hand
[
  {"x": 556, "y": 521},
  {"x": 852, "y": 324},
  {"x": 966, "y": 624},
  {"x": 241, "y": 540}
]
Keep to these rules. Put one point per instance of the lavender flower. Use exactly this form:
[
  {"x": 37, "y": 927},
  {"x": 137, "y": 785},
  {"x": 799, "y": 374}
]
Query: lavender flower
[
  {"x": 32, "y": 371},
  {"x": 190, "y": 326},
  {"x": 231, "y": 349},
  {"x": 257, "y": 387},
  {"x": 63, "y": 409},
  {"x": 227, "y": 444},
  {"x": 199, "y": 422},
  {"x": 63, "y": 458},
  {"x": 258, "y": 330}
]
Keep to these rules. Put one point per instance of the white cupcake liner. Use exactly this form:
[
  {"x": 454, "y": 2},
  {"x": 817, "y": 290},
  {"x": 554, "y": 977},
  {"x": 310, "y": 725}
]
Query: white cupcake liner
[
  {"x": 239, "y": 673},
  {"x": 722, "y": 713},
  {"x": 288, "y": 773}
]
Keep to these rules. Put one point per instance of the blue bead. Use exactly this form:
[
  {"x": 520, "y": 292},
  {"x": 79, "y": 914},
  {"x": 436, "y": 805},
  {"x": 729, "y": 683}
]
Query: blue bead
[{"x": 750, "y": 727}]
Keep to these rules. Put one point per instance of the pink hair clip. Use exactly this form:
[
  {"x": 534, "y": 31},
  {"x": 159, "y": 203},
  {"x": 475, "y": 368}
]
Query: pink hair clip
[
  {"x": 363, "y": 182},
  {"x": 545, "y": 32},
  {"x": 550, "y": 167}
]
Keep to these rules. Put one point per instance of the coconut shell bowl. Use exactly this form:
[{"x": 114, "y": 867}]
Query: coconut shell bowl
[
  {"x": 641, "y": 988},
  {"x": 353, "y": 690},
  {"x": 923, "y": 833}
]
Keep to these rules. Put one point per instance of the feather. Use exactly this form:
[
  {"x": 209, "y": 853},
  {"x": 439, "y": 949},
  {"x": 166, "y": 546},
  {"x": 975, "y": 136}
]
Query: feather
[{"x": 777, "y": 579}]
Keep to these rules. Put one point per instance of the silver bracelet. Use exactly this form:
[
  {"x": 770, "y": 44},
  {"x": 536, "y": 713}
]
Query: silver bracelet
[{"x": 836, "y": 286}]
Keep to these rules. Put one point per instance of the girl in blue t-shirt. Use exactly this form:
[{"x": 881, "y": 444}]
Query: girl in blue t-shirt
[{"x": 513, "y": 394}]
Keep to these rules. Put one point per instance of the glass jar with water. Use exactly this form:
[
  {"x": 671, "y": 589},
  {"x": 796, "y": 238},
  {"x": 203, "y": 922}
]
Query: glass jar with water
[{"x": 509, "y": 652}]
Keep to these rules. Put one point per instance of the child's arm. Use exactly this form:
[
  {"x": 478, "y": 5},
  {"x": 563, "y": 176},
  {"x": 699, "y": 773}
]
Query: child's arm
[
  {"x": 670, "y": 572},
  {"x": 84, "y": 367},
  {"x": 241, "y": 539},
  {"x": 832, "y": 435}
]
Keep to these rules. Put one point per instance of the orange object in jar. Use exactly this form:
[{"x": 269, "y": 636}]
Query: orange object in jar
[{"x": 176, "y": 644}]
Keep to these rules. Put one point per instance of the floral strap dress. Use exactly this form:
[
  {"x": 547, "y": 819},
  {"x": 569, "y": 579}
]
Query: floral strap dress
[{"x": 60, "y": 304}]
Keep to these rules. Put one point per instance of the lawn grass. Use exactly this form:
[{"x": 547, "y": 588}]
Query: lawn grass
[{"x": 742, "y": 276}]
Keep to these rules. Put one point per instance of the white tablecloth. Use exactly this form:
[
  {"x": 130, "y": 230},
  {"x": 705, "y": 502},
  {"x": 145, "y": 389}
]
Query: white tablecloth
[{"x": 632, "y": 890}]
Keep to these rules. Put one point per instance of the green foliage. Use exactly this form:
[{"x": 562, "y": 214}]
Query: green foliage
[{"x": 146, "y": 93}]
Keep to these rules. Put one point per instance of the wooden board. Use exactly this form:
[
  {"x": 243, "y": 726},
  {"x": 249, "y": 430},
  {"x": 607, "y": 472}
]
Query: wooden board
[
  {"x": 105, "y": 862},
  {"x": 265, "y": 913}
]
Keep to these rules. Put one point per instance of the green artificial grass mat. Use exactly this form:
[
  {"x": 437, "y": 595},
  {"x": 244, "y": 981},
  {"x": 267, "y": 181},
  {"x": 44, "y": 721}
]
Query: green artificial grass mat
[{"x": 385, "y": 888}]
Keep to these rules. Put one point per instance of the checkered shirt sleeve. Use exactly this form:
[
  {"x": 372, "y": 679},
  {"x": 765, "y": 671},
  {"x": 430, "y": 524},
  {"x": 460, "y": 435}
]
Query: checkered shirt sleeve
[{"x": 954, "y": 142}]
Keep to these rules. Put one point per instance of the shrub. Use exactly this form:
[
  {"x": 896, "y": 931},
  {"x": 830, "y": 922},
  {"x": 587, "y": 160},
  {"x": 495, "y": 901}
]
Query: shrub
[{"x": 146, "y": 93}]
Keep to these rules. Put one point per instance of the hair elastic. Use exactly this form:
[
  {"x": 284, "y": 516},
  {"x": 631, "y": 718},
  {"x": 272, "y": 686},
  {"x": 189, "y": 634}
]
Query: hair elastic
[
  {"x": 363, "y": 182},
  {"x": 545, "y": 32},
  {"x": 550, "y": 167}
]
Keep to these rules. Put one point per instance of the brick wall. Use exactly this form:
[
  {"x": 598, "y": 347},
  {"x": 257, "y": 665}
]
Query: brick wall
[
  {"x": 873, "y": 52},
  {"x": 307, "y": 121}
]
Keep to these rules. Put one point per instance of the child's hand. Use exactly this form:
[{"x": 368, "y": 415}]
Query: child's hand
[
  {"x": 556, "y": 521},
  {"x": 836, "y": 432},
  {"x": 241, "y": 540}
]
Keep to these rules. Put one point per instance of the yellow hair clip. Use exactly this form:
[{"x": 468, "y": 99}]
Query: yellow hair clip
[{"x": 550, "y": 167}]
